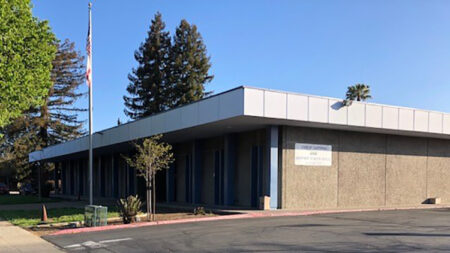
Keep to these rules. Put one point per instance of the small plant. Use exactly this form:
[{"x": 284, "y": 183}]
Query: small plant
[
  {"x": 129, "y": 208},
  {"x": 199, "y": 211}
]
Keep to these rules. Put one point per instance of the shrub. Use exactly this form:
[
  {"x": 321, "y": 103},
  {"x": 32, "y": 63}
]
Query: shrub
[
  {"x": 199, "y": 211},
  {"x": 129, "y": 208}
]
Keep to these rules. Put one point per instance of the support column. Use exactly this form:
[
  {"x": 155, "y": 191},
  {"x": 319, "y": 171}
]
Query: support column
[
  {"x": 272, "y": 160},
  {"x": 63, "y": 177},
  {"x": 197, "y": 172},
  {"x": 127, "y": 179},
  {"x": 81, "y": 174},
  {"x": 170, "y": 183},
  {"x": 188, "y": 178},
  {"x": 99, "y": 176},
  {"x": 39, "y": 181},
  {"x": 76, "y": 173},
  {"x": 229, "y": 168},
  {"x": 55, "y": 182},
  {"x": 113, "y": 177},
  {"x": 71, "y": 178}
]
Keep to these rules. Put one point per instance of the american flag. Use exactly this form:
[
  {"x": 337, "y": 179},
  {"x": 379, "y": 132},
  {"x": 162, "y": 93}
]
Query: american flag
[{"x": 89, "y": 53}]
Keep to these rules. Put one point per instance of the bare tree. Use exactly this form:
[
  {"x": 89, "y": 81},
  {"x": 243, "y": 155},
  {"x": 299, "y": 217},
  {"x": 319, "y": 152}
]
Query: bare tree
[{"x": 152, "y": 155}]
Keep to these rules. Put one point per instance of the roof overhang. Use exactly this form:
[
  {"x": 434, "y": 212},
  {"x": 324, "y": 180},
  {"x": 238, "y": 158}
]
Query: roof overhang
[{"x": 246, "y": 108}]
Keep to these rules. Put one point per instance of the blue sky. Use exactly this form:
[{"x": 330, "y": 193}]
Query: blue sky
[{"x": 400, "y": 48}]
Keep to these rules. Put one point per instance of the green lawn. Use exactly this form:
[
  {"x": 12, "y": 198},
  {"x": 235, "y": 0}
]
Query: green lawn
[
  {"x": 21, "y": 199},
  {"x": 27, "y": 218}
]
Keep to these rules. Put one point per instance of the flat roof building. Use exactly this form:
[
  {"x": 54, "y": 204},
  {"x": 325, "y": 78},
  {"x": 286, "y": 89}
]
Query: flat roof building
[{"x": 302, "y": 151}]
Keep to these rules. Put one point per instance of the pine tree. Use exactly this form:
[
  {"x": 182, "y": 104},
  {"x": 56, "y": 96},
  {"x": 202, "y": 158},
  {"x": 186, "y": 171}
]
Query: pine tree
[
  {"x": 54, "y": 122},
  {"x": 58, "y": 117},
  {"x": 148, "y": 82},
  {"x": 190, "y": 66}
]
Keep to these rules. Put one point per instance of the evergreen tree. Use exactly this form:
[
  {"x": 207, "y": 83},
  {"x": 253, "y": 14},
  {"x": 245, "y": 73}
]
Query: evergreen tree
[
  {"x": 58, "y": 117},
  {"x": 189, "y": 66},
  {"x": 54, "y": 122},
  {"x": 148, "y": 82}
]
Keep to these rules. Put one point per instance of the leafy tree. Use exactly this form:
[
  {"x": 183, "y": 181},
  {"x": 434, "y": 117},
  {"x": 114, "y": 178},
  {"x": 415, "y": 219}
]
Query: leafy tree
[
  {"x": 189, "y": 66},
  {"x": 148, "y": 82},
  {"x": 151, "y": 156},
  {"x": 358, "y": 92},
  {"x": 26, "y": 53},
  {"x": 18, "y": 140},
  {"x": 54, "y": 122}
]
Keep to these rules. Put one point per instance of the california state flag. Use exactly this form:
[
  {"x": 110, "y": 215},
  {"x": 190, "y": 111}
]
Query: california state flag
[{"x": 89, "y": 54}]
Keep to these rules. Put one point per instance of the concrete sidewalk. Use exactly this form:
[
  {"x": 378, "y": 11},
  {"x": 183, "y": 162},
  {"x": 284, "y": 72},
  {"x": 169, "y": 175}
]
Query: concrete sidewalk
[{"x": 15, "y": 239}]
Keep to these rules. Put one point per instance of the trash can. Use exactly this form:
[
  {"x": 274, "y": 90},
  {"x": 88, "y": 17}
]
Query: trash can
[
  {"x": 264, "y": 203},
  {"x": 95, "y": 216}
]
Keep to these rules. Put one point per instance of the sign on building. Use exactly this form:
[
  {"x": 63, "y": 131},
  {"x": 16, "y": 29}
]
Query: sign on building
[{"x": 313, "y": 154}]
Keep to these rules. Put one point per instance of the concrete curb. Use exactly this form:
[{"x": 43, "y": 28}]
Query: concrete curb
[{"x": 249, "y": 215}]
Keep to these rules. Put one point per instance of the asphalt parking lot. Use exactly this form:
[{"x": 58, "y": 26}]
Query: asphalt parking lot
[{"x": 394, "y": 231}]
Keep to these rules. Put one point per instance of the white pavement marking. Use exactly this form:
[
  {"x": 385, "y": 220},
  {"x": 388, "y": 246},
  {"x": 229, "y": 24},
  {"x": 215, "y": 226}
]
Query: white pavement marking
[
  {"x": 116, "y": 240},
  {"x": 73, "y": 246},
  {"x": 95, "y": 245},
  {"x": 92, "y": 244}
]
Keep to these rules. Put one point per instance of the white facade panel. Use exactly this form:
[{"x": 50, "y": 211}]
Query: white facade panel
[
  {"x": 420, "y": 121},
  {"x": 274, "y": 104},
  {"x": 111, "y": 136},
  {"x": 231, "y": 104},
  {"x": 446, "y": 124},
  {"x": 254, "y": 102},
  {"x": 356, "y": 115},
  {"x": 139, "y": 129},
  {"x": 268, "y": 105},
  {"x": 208, "y": 110},
  {"x": 297, "y": 107},
  {"x": 172, "y": 120},
  {"x": 390, "y": 117},
  {"x": 99, "y": 139},
  {"x": 318, "y": 109},
  {"x": 406, "y": 119},
  {"x": 84, "y": 143},
  {"x": 435, "y": 122},
  {"x": 337, "y": 112},
  {"x": 158, "y": 124},
  {"x": 35, "y": 156},
  {"x": 189, "y": 114},
  {"x": 374, "y": 116},
  {"x": 78, "y": 144}
]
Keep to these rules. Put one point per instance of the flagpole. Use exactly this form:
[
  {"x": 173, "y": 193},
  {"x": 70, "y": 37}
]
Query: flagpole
[{"x": 91, "y": 197}]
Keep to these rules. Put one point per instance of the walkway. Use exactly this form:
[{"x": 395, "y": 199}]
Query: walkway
[{"x": 15, "y": 239}]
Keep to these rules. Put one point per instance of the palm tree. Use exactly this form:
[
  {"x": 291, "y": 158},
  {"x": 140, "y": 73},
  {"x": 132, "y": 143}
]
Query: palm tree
[{"x": 358, "y": 92}]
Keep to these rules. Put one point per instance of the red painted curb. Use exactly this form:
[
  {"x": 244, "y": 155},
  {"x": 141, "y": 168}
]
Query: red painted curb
[
  {"x": 151, "y": 223},
  {"x": 234, "y": 216}
]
